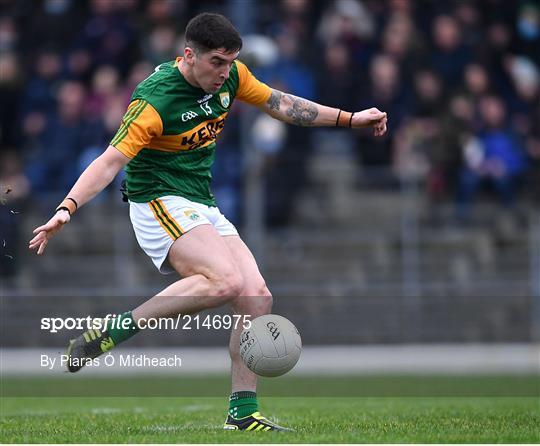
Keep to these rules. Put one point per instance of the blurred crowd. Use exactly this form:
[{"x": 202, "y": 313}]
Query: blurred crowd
[{"x": 460, "y": 81}]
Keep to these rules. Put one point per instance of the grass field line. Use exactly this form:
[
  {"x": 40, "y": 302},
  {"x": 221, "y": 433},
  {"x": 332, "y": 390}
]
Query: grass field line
[
  {"x": 104, "y": 410},
  {"x": 179, "y": 428},
  {"x": 315, "y": 360}
]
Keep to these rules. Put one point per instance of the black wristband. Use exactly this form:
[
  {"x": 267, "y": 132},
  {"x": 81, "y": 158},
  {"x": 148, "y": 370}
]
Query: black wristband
[
  {"x": 337, "y": 119},
  {"x": 350, "y": 120}
]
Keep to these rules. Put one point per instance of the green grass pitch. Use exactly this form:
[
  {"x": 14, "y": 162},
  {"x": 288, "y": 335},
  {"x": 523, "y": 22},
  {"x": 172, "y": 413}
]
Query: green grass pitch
[{"x": 325, "y": 414}]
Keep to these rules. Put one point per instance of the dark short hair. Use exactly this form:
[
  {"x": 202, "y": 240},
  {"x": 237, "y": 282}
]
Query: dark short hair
[{"x": 207, "y": 31}]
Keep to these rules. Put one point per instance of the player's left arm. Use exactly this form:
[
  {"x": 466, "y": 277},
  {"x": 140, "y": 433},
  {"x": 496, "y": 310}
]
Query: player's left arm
[{"x": 299, "y": 111}]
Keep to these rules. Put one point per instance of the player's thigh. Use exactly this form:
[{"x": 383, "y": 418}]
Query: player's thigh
[
  {"x": 255, "y": 298},
  {"x": 202, "y": 251}
]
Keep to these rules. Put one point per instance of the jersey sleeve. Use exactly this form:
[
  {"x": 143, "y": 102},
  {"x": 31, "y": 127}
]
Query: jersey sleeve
[
  {"x": 250, "y": 89},
  {"x": 140, "y": 125}
]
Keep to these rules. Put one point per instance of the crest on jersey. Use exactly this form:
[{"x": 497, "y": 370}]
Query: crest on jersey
[{"x": 225, "y": 99}]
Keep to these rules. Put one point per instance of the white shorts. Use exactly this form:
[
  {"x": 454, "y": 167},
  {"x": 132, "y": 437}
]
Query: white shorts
[{"x": 159, "y": 223}]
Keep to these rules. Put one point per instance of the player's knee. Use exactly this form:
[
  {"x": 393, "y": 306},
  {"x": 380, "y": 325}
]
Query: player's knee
[
  {"x": 257, "y": 304},
  {"x": 266, "y": 301},
  {"x": 255, "y": 288},
  {"x": 228, "y": 285}
]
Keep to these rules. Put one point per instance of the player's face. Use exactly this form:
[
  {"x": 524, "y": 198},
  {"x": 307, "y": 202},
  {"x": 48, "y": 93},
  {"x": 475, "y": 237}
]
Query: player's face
[{"x": 211, "y": 69}]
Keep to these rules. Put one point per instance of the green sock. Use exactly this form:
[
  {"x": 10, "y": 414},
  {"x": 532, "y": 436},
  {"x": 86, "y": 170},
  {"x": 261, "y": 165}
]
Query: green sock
[
  {"x": 122, "y": 327},
  {"x": 243, "y": 404}
]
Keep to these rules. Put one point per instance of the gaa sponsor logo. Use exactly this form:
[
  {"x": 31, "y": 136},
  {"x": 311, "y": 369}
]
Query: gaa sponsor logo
[
  {"x": 274, "y": 331},
  {"x": 189, "y": 115}
]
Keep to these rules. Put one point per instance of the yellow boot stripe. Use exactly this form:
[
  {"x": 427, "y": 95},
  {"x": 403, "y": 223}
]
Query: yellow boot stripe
[
  {"x": 98, "y": 333},
  {"x": 92, "y": 334},
  {"x": 267, "y": 428},
  {"x": 86, "y": 337},
  {"x": 252, "y": 425},
  {"x": 259, "y": 428}
]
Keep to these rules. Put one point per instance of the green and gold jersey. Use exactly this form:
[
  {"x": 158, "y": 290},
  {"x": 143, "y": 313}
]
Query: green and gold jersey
[{"x": 169, "y": 131}]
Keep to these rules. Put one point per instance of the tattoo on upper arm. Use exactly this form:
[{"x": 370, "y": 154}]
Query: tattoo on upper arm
[
  {"x": 302, "y": 112},
  {"x": 274, "y": 100}
]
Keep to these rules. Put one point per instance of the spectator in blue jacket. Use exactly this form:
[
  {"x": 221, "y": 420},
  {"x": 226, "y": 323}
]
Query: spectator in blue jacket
[{"x": 494, "y": 156}]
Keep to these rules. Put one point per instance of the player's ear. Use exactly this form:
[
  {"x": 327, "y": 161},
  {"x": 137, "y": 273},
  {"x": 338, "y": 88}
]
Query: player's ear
[{"x": 189, "y": 55}]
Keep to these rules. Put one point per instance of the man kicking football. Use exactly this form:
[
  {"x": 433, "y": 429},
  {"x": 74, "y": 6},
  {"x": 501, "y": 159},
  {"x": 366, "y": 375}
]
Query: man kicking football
[{"x": 166, "y": 142}]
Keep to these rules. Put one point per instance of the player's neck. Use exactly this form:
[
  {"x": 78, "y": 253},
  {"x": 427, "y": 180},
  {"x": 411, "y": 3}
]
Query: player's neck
[{"x": 186, "y": 71}]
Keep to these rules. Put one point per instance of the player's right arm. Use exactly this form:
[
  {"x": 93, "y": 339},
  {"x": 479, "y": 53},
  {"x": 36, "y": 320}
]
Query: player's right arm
[
  {"x": 140, "y": 124},
  {"x": 96, "y": 177}
]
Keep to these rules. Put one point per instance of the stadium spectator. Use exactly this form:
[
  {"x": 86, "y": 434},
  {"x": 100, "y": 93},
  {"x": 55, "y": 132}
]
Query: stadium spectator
[
  {"x": 352, "y": 23},
  {"x": 492, "y": 53},
  {"x": 109, "y": 34},
  {"x": 526, "y": 81},
  {"x": 39, "y": 95},
  {"x": 10, "y": 89},
  {"x": 338, "y": 66},
  {"x": 476, "y": 81},
  {"x": 528, "y": 30},
  {"x": 286, "y": 174},
  {"x": 417, "y": 147},
  {"x": 495, "y": 157},
  {"x": 468, "y": 17},
  {"x": 161, "y": 12},
  {"x": 53, "y": 24},
  {"x": 456, "y": 128},
  {"x": 160, "y": 44},
  {"x": 104, "y": 86},
  {"x": 139, "y": 71},
  {"x": 401, "y": 40},
  {"x": 9, "y": 37},
  {"x": 450, "y": 55},
  {"x": 385, "y": 85},
  {"x": 59, "y": 141}
]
